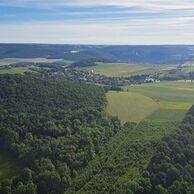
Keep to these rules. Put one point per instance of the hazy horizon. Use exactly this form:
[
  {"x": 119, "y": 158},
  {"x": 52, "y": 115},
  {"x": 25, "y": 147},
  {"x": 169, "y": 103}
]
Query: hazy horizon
[{"x": 79, "y": 44}]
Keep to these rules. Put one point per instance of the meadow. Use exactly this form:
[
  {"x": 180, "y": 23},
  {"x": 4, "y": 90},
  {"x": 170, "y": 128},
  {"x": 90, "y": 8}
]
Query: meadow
[
  {"x": 130, "y": 106},
  {"x": 20, "y": 70},
  {"x": 116, "y": 69},
  {"x": 17, "y": 70},
  {"x": 164, "y": 101},
  {"x": 8, "y": 61},
  {"x": 127, "y": 69}
]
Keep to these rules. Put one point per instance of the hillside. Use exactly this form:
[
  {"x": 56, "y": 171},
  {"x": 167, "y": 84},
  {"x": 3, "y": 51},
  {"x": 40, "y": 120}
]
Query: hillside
[
  {"x": 123, "y": 160},
  {"x": 130, "y": 54},
  {"x": 148, "y": 158},
  {"x": 62, "y": 141},
  {"x": 171, "y": 168},
  {"x": 26, "y": 93},
  {"x": 53, "y": 129}
]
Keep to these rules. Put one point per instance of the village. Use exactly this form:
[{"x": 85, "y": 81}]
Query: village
[{"x": 74, "y": 74}]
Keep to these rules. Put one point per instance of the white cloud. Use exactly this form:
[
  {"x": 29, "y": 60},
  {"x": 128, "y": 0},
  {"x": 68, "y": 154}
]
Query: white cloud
[
  {"x": 168, "y": 28},
  {"x": 148, "y": 4},
  {"x": 118, "y": 32}
]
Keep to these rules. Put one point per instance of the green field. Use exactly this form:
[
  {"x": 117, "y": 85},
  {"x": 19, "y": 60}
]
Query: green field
[
  {"x": 8, "y": 166},
  {"x": 8, "y": 61},
  {"x": 126, "y": 69},
  {"x": 20, "y": 70},
  {"x": 130, "y": 106},
  {"x": 165, "y": 101},
  {"x": 116, "y": 69},
  {"x": 17, "y": 70}
]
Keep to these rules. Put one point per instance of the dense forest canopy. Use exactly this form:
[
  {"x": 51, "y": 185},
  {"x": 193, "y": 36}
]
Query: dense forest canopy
[
  {"x": 58, "y": 131},
  {"x": 54, "y": 128},
  {"x": 30, "y": 94}
]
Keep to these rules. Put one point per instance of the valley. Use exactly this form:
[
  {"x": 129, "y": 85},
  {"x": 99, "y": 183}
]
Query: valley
[
  {"x": 92, "y": 126},
  {"x": 96, "y": 97}
]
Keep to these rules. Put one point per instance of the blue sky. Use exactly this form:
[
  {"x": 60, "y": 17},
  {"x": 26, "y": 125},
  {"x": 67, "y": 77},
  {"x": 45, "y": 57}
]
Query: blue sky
[{"x": 97, "y": 21}]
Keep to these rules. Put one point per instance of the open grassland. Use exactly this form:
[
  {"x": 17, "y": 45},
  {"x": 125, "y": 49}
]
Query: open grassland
[
  {"x": 126, "y": 69},
  {"x": 8, "y": 166},
  {"x": 154, "y": 69},
  {"x": 20, "y": 70},
  {"x": 130, "y": 106},
  {"x": 173, "y": 98},
  {"x": 175, "y": 92},
  {"x": 17, "y": 70},
  {"x": 116, "y": 69},
  {"x": 167, "y": 115},
  {"x": 165, "y": 101},
  {"x": 8, "y": 61}
]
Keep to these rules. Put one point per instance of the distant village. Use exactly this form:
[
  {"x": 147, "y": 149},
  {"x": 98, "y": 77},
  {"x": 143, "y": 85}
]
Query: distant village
[
  {"x": 74, "y": 74},
  {"x": 58, "y": 70}
]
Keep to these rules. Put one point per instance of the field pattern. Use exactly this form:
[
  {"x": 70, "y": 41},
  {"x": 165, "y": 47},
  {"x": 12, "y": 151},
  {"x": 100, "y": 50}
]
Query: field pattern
[
  {"x": 173, "y": 98},
  {"x": 127, "y": 69},
  {"x": 130, "y": 106},
  {"x": 8, "y": 61},
  {"x": 20, "y": 70},
  {"x": 116, "y": 69}
]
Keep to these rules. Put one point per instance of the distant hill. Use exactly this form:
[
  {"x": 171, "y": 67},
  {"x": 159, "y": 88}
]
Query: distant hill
[{"x": 174, "y": 54}]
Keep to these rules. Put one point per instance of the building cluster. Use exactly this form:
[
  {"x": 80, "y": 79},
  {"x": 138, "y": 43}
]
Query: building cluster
[{"x": 74, "y": 74}]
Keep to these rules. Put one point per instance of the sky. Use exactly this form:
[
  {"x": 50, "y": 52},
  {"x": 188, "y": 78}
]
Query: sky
[{"x": 123, "y": 22}]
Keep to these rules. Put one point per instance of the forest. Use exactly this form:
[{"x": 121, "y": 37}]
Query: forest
[
  {"x": 171, "y": 170},
  {"x": 170, "y": 167},
  {"x": 150, "y": 54},
  {"x": 54, "y": 128},
  {"x": 66, "y": 143}
]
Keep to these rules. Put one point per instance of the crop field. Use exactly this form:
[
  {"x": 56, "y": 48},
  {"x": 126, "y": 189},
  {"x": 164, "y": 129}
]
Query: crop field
[
  {"x": 8, "y": 166},
  {"x": 17, "y": 70},
  {"x": 167, "y": 115},
  {"x": 8, "y": 61},
  {"x": 173, "y": 98},
  {"x": 126, "y": 69},
  {"x": 116, "y": 69},
  {"x": 165, "y": 101},
  {"x": 20, "y": 70},
  {"x": 130, "y": 106}
]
